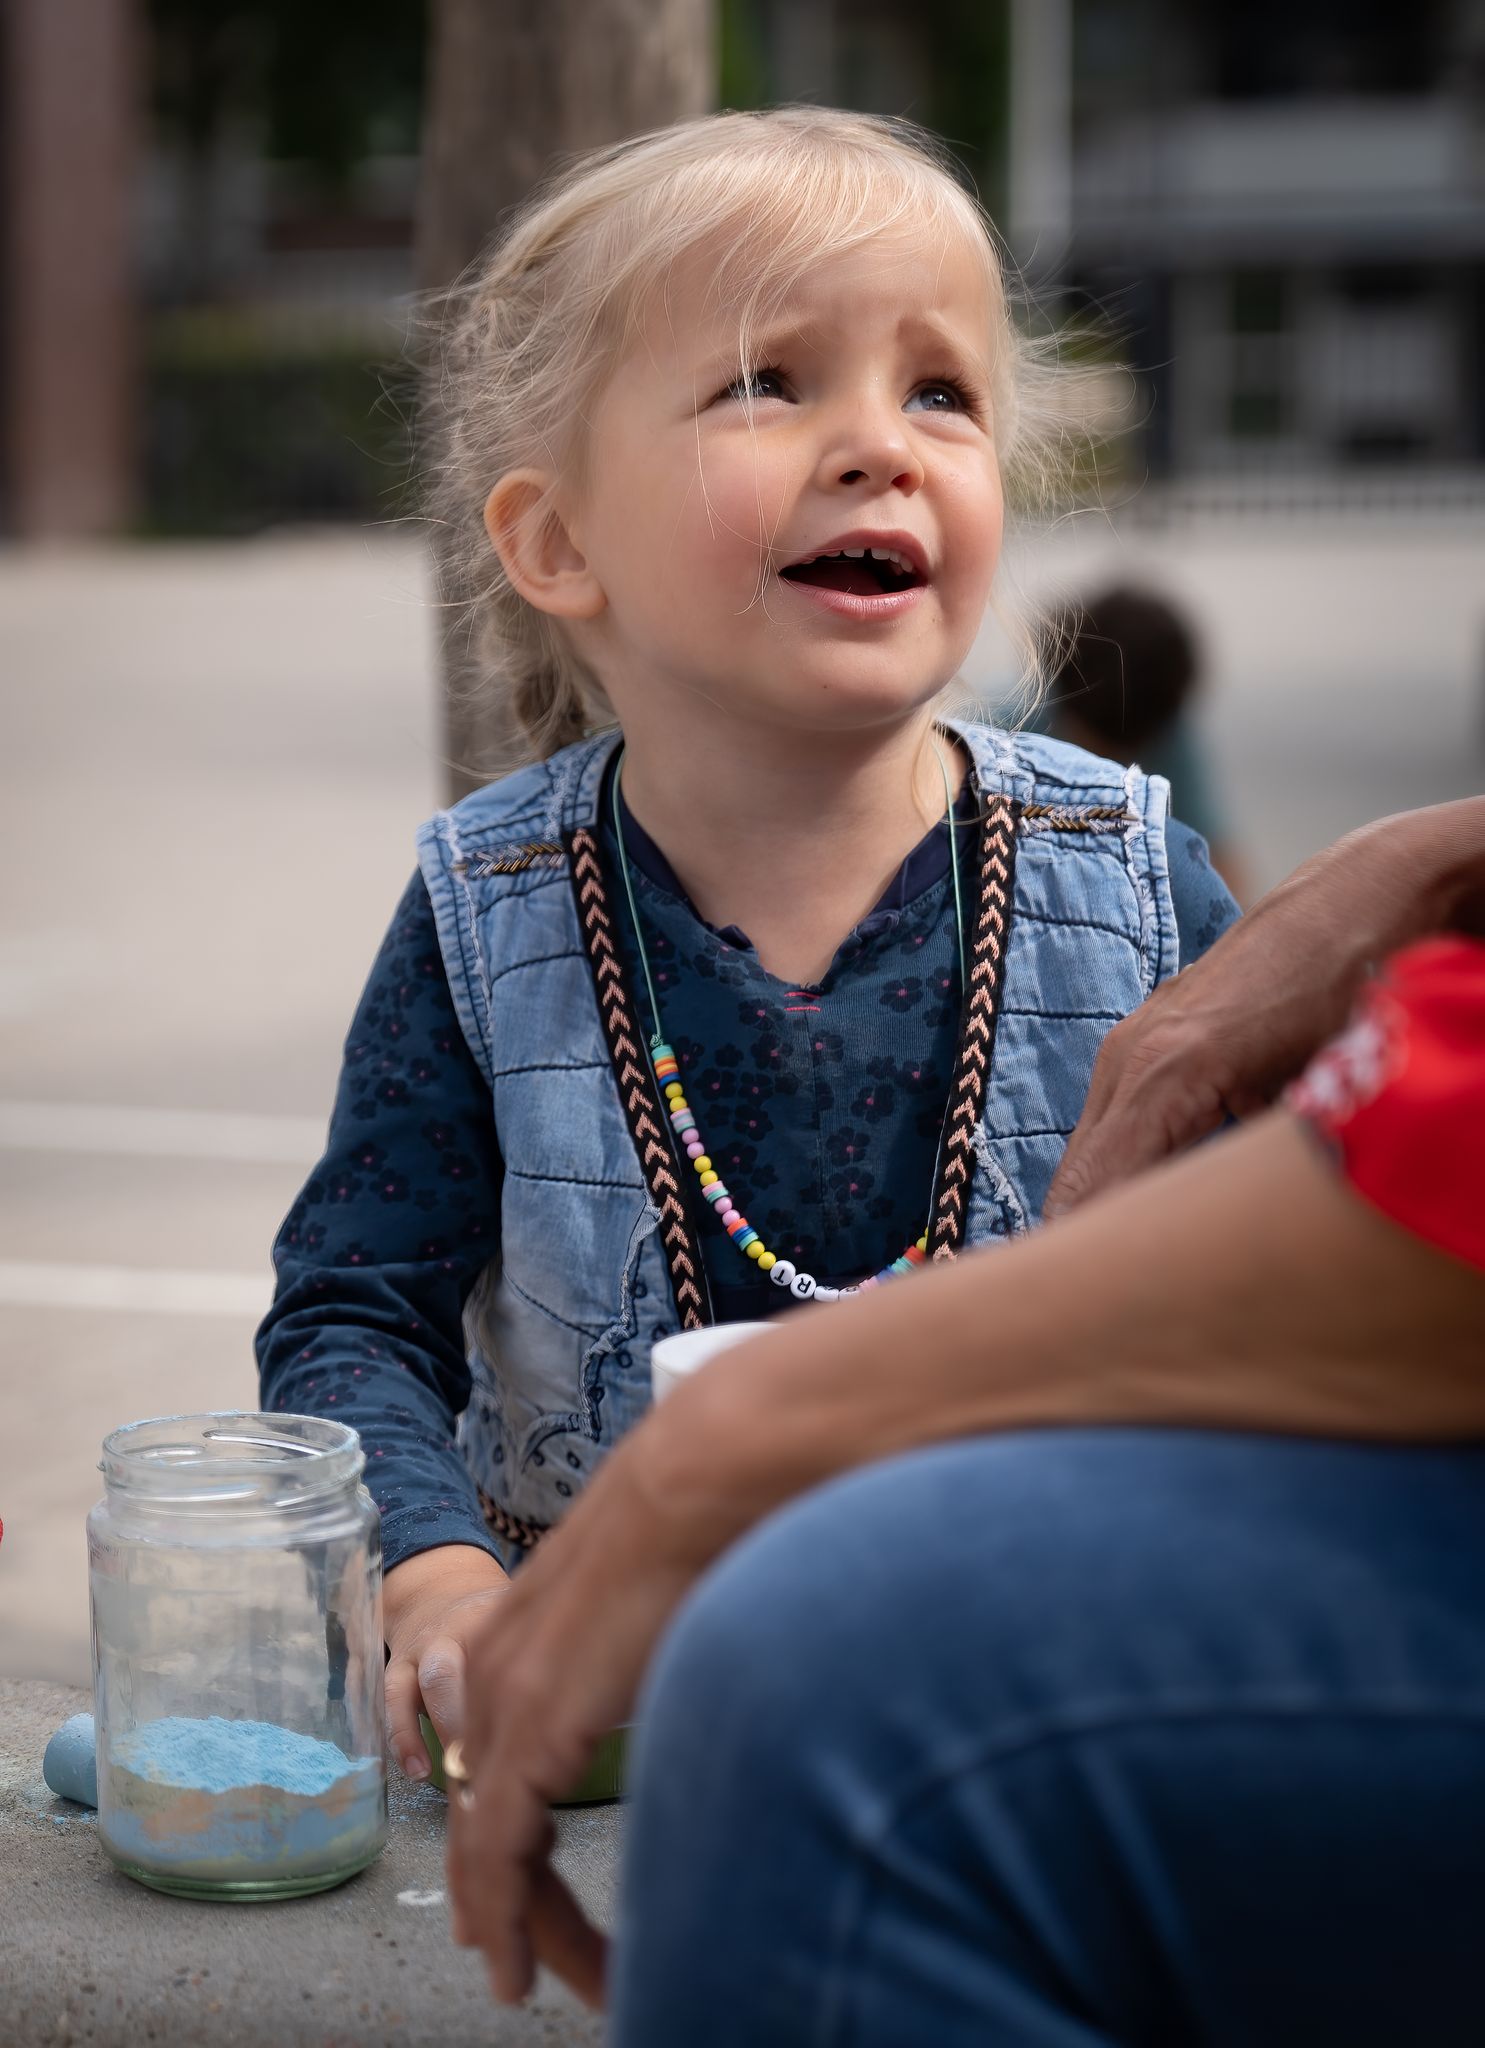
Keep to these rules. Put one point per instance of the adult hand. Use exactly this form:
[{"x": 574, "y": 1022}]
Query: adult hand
[
  {"x": 433, "y": 1606},
  {"x": 1223, "y": 1037},
  {"x": 557, "y": 1667}
]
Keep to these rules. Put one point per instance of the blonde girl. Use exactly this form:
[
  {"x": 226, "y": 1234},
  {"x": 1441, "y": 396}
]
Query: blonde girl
[{"x": 765, "y": 981}]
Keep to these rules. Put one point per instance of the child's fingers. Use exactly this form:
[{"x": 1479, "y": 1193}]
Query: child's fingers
[
  {"x": 403, "y": 1733},
  {"x": 440, "y": 1679}
]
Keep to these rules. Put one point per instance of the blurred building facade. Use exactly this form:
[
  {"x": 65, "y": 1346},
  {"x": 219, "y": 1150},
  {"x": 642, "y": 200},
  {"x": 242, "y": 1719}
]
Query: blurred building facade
[
  {"x": 1278, "y": 209},
  {"x": 1282, "y": 206}
]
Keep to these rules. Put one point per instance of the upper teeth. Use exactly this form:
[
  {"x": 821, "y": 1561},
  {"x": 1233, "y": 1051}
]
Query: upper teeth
[{"x": 888, "y": 555}]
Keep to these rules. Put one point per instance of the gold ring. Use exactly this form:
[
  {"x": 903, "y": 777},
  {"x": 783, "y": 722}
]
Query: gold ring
[{"x": 454, "y": 1766}]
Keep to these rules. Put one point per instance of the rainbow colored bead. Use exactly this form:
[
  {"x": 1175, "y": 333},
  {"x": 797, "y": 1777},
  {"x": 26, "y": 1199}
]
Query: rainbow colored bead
[{"x": 803, "y": 1286}]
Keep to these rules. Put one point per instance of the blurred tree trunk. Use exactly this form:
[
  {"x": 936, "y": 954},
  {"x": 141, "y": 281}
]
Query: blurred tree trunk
[
  {"x": 69, "y": 121},
  {"x": 511, "y": 86}
]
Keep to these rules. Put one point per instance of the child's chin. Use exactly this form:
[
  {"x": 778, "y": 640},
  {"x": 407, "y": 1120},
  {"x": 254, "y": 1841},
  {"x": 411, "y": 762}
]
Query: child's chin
[{"x": 857, "y": 699}]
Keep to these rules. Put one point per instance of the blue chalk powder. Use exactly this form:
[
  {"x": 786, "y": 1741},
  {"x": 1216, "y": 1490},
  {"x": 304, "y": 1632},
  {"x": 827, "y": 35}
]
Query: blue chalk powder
[
  {"x": 247, "y": 1806},
  {"x": 219, "y": 1756}
]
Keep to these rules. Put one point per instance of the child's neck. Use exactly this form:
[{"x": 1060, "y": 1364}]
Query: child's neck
[{"x": 791, "y": 837}]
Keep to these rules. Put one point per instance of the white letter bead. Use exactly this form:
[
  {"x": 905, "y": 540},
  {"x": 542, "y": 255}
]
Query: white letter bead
[
  {"x": 801, "y": 1286},
  {"x": 827, "y": 1294},
  {"x": 781, "y": 1273}
]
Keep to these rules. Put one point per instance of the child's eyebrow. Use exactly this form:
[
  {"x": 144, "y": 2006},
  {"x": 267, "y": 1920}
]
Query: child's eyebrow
[
  {"x": 935, "y": 332},
  {"x": 926, "y": 330}
]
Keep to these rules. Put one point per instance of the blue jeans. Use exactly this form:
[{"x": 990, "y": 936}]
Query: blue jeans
[{"x": 1075, "y": 1738}]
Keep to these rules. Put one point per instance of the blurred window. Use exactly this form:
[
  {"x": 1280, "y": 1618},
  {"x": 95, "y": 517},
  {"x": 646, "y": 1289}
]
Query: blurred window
[
  {"x": 1257, "y": 302},
  {"x": 1387, "y": 353},
  {"x": 1259, "y": 320},
  {"x": 1272, "y": 49},
  {"x": 1257, "y": 415}
]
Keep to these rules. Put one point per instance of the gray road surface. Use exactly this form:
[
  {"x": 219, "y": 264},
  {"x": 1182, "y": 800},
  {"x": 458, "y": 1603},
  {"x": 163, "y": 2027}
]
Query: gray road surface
[{"x": 89, "y": 1956}]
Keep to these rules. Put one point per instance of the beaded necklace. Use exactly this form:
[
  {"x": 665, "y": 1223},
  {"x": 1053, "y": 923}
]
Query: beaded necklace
[{"x": 803, "y": 1286}]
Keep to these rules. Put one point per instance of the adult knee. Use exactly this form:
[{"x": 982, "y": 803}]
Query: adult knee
[
  {"x": 1053, "y": 1573},
  {"x": 743, "y": 1669}
]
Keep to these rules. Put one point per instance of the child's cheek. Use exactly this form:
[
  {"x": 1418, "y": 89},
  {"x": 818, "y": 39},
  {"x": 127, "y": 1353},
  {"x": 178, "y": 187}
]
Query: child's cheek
[
  {"x": 749, "y": 488},
  {"x": 688, "y": 566},
  {"x": 975, "y": 529},
  {"x": 730, "y": 542}
]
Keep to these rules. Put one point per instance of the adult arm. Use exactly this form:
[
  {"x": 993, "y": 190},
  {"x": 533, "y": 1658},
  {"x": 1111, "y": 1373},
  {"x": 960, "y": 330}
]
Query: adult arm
[
  {"x": 375, "y": 1262},
  {"x": 1244, "y": 1286},
  {"x": 1223, "y": 1038}
]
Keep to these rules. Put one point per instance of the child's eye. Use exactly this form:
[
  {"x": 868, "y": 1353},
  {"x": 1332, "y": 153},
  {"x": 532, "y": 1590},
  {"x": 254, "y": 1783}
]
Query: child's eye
[
  {"x": 942, "y": 394},
  {"x": 756, "y": 384}
]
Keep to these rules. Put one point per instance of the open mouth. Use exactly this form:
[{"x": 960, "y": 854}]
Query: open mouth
[{"x": 857, "y": 572}]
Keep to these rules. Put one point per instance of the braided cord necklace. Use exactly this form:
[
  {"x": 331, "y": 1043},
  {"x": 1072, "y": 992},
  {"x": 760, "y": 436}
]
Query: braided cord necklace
[{"x": 666, "y": 1068}]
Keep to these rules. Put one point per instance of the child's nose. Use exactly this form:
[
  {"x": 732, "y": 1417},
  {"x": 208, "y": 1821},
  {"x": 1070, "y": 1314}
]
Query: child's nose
[{"x": 871, "y": 447}]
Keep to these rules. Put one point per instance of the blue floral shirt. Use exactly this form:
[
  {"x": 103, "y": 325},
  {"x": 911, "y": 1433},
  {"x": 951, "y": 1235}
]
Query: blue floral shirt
[{"x": 821, "y": 1107}]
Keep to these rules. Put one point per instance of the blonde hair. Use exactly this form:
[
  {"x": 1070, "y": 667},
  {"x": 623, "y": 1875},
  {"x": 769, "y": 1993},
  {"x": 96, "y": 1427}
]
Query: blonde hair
[{"x": 530, "y": 335}]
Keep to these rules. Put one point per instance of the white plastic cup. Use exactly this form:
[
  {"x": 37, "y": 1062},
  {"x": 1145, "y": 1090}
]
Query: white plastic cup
[{"x": 674, "y": 1359}]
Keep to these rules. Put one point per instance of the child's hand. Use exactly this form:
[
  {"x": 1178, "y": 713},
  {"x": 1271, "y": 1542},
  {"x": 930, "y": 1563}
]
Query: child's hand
[{"x": 435, "y": 1604}]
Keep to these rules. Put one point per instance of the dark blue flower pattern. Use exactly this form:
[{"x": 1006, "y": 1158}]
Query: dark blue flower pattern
[
  {"x": 903, "y": 992},
  {"x": 1205, "y": 906}
]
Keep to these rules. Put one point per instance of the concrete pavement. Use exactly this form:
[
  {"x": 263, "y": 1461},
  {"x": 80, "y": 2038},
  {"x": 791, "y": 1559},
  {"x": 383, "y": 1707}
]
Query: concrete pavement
[
  {"x": 87, "y": 1955},
  {"x": 213, "y": 763}
]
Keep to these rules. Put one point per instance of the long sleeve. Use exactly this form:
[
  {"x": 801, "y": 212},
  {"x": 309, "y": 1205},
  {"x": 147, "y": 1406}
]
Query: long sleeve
[
  {"x": 1205, "y": 907},
  {"x": 380, "y": 1251}
]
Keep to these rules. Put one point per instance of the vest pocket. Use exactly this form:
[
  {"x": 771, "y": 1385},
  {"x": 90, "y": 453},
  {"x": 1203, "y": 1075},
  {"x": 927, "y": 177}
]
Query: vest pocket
[{"x": 563, "y": 1331}]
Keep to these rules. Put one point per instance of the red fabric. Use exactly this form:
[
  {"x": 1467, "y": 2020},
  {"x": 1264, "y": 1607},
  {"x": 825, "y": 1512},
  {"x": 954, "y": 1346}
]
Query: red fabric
[{"x": 1400, "y": 1094}]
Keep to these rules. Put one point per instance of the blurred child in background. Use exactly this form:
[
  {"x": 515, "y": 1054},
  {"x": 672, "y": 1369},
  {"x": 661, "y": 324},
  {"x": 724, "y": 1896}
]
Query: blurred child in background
[{"x": 1124, "y": 669}]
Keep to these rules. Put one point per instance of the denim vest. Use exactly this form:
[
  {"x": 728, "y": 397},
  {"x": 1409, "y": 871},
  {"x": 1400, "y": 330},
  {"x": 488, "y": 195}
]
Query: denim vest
[{"x": 1075, "y": 927}]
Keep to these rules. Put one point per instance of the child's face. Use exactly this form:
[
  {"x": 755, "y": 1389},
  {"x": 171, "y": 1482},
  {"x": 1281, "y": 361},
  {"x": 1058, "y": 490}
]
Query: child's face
[{"x": 870, "y": 418}]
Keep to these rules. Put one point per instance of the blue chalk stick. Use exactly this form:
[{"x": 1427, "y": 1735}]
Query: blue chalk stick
[{"x": 70, "y": 1765}]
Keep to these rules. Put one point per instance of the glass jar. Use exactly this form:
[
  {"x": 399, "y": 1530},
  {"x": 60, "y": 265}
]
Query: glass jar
[{"x": 235, "y": 1571}]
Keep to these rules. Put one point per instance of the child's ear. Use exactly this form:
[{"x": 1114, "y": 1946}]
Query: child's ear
[{"x": 537, "y": 549}]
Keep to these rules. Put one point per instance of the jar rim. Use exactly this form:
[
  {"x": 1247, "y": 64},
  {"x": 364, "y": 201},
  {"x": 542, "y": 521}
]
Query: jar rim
[{"x": 231, "y": 1457}]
